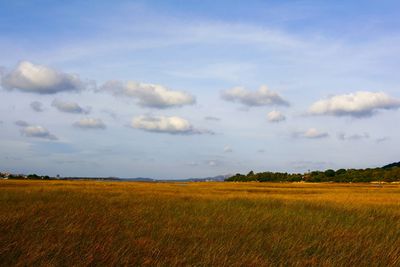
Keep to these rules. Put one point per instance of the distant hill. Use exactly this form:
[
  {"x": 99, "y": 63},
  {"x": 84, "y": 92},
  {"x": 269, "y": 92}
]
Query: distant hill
[
  {"x": 219, "y": 178},
  {"x": 138, "y": 179},
  {"x": 391, "y": 165}
]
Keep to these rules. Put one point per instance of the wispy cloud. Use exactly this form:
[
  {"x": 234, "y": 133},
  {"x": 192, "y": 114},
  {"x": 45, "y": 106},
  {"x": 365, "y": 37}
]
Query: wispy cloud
[
  {"x": 311, "y": 133},
  {"x": 211, "y": 118},
  {"x": 352, "y": 137},
  {"x": 36, "y": 106}
]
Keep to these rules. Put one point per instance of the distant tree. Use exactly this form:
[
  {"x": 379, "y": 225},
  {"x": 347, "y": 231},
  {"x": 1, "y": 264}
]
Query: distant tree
[
  {"x": 329, "y": 173},
  {"x": 342, "y": 175},
  {"x": 340, "y": 171},
  {"x": 33, "y": 176}
]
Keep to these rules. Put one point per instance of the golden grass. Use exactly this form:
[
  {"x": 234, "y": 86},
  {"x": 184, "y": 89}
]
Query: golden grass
[{"x": 81, "y": 223}]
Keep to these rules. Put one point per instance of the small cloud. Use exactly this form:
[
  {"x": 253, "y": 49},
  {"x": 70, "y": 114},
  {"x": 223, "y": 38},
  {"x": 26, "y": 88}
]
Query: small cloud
[
  {"x": 28, "y": 77},
  {"x": 228, "y": 149},
  {"x": 69, "y": 107},
  {"x": 37, "y": 106},
  {"x": 36, "y": 131},
  {"x": 311, "y": 133},
  {"x": 213, "y": 163},
  {"x": 21, "y": 123},
  {"x": 90, "y": 123},
  {"x": 359, "y": 104},
  {"x": 149, "y": 95},
  {"x": 275, "y": 116},
  {"x": 261, "y": 151},
  {"x": 262, "y": 97},
  {"x": 162, "y": 124},
  {"x": 211, "y": 118},
  {"x": 353, "y": 137}
]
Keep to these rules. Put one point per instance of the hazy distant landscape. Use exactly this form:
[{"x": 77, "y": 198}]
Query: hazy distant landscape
[{"x": 389, "y": 173}]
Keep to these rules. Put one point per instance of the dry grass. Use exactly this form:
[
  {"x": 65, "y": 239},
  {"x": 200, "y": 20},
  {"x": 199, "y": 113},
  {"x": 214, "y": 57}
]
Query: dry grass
[{"x": 66, "y": 223}]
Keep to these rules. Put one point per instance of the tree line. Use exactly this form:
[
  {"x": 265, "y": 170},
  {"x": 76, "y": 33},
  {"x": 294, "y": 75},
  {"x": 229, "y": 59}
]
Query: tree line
[{"x": 388, "y": 173}]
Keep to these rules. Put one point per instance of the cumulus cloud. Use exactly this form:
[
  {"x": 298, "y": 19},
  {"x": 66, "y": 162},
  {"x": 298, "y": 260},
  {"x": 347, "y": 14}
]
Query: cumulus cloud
[
  {"x": 150, "y": 95},
  {"x": 311, "y": 133},
  {"x": 69, "y": 107},
  {"x": 162, "y": 124},
  {"x": 275, "y": 116},
  {"x": 262, "y": 97},
  {"x": 36, "y": 131},
  {"x": 90, "y": 123},
  {"x": 37, "y": 106},
  {"x": 28, "y": 77},
  {"x": 359, "y": 104},
  {"x": 353, "y": 137}
]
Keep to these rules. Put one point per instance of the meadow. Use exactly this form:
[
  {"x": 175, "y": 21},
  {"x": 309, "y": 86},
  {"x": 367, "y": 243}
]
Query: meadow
[{"x": 89, "y": 223}]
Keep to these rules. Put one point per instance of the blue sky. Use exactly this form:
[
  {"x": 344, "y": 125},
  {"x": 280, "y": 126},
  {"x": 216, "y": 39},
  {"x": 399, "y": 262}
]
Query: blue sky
[{"x": 175, "y": 89}]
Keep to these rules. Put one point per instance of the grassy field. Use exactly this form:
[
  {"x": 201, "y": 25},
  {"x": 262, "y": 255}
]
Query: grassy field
[{"x": 66, "y": 223}]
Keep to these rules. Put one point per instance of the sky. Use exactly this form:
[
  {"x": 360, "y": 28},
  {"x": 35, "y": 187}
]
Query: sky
[{"x": 178, "y": 89}]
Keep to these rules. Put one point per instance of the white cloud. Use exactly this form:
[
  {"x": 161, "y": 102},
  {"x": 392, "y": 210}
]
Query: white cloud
[
  {"x": 262, "y": 97},
  {"x": 37, "y": 106},
  {"x": 90, "y": 123},
  {"x": 69, "y": 107},
  {"x": 275, "y": 116},
  {"x": 37, "y": 131},
  {"x": 28, "y": 77},
  {"x": 311, "y": 133},
  {"x": 162, "y": 124},
  {"x": 150, "y": 95},
  {"x": 359, "y": 104},
  {"x": 34, "y": 131}
]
